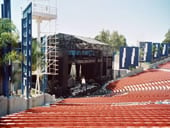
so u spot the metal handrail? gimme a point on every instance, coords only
(44, 9)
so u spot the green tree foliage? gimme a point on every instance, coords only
(8, 35)
(104, 36)
(37, 64)
(114, 39)
(36, 55)
(167, 37)
(13, 56)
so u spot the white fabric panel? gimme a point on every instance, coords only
(124, 57)
(133, 56)
(145, 51)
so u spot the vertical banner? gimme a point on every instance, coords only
(6, 9)
(26, 47)
(128, 57)
(6, 13)
(122, 58)
(134, 56)
(156, 51)
(164, 49)
(168, 49)
(145, 51)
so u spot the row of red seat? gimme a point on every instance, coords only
(148, 76)
(161, 85)
(90, 116)
(138, 96)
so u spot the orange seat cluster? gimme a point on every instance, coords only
(151, 76)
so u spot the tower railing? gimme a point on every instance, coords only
(44, 11)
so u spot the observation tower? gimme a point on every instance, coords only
(40, 13)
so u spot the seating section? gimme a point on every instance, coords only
(147, 77)
(142, 100)
(141, 96)
(90, 116)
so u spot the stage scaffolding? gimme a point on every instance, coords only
(50, 55)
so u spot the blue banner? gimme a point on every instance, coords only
(164, 49)
(156, 51)
(6, 13)
(6, 9)
(145, 51)
(128, 57)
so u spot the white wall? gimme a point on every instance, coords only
(3, 105)
(17, 104)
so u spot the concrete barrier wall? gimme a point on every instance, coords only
(119, 73)
(125, 73)
(134, 71)
(49, 98)
(41, 99)
(17, 104)
(37, 101)
(3, 105)
(159, 62)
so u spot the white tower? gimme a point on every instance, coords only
(43, 12)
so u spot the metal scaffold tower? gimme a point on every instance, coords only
(50, 58)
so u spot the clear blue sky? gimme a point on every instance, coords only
(137, 20)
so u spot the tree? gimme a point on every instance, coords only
(114, 39)
(36, 55)
(8, 33)
(8, 36)
(167, 37)
(36, 64)
(8, 40)
(104, 36)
